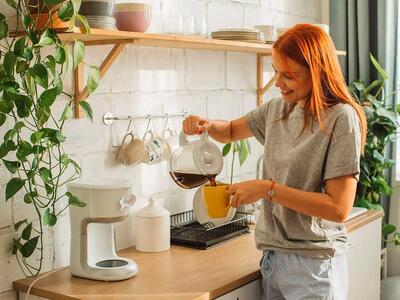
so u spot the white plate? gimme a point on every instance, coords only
(200, 212)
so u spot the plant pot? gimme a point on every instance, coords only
(42, 19)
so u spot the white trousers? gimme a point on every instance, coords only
(293, 277)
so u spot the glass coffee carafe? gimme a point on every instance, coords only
(195, 163)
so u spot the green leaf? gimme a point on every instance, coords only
(10, 134)
(87, 109)
(3, 150)
(12, 166)
(36, 136)
(49, 218)
(39, 74)
(67, 112)
(45, 174)
(24, 149)
(28, 55)
(42, 114)
(64, 159)
(73, 200)
(388, 229)
(84, 22)
(75, 164)
(3, 29)
(77, 5)
(378, 67)
(6, 106)
(13, 186)
(22, 66)
(12, 3)
(29, 247)
(50, 63)
(60, 55)
(48, 97)
(28, 199)
(93, 78)
(248, 146)
(66, 11)
(53, 2)
(23, 104)
(79, 52)
(3, 119)
(226, 149)
(373, 85)
(27, 21)
(242, 152)
(45, 41)
(19, 46)
(19, 223)
(49, 189)
(26, 233)
(10, 59)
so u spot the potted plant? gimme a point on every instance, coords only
(32, 146)
(382, 129)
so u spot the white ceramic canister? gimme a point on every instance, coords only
(152, 228)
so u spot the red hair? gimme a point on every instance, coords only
(309, 46)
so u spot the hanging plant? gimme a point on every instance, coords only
(31, 149)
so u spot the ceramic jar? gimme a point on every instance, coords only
(152, 228)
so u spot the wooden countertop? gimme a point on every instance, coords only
(180, 273)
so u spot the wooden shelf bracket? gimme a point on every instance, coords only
(82, 92)
(261, 89)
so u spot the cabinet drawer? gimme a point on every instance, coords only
(250, 291)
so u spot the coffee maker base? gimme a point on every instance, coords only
(113, 269)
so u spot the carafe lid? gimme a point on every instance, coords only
(152, 210)
(207, 157)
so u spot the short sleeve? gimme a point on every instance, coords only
(343, 156)
(256, 120)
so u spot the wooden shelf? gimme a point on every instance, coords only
(121, 38)
(102, 37)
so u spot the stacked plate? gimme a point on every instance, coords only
(238, 34)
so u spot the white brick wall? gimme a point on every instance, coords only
(156, 80)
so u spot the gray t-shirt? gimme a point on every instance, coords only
(304, 162)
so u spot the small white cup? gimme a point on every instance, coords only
(155, 147)
(267, 30)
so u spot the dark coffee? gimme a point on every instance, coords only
(189, 180)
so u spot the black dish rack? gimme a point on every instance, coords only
(186, 231)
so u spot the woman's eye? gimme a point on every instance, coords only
(288, 77)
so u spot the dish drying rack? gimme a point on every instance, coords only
(186, 231)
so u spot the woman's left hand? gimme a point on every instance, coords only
(247, 192)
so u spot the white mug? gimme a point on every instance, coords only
(154, 146)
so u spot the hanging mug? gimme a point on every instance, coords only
(154, 146)
(132, 152)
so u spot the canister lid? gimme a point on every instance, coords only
(98, 183)
(152, 210)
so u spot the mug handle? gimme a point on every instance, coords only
(126, 135)
(148, 135)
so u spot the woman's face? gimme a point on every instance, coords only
(292, 79)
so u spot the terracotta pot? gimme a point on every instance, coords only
(41, 22)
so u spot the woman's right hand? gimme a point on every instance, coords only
(195, 125)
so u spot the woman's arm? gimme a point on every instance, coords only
(333, 205)
(221, 131)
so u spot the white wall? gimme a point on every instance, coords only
(146, 80)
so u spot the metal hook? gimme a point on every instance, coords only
(129, 125)
(166, 121)
(148, 122)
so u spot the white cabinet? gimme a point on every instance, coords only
(250, 291)
(364, 261)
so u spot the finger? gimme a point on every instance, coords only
(234, 201)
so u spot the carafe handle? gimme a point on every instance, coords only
(183, 140)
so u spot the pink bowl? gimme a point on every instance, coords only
(137, 21)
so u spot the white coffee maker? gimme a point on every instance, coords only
(92, 252)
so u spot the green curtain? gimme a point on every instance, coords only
(356, 26)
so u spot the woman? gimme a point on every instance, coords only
(313, 136)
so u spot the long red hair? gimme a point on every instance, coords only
(311, 47)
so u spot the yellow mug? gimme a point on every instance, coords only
(216, 200)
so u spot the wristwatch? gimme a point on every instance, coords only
(271, 193)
